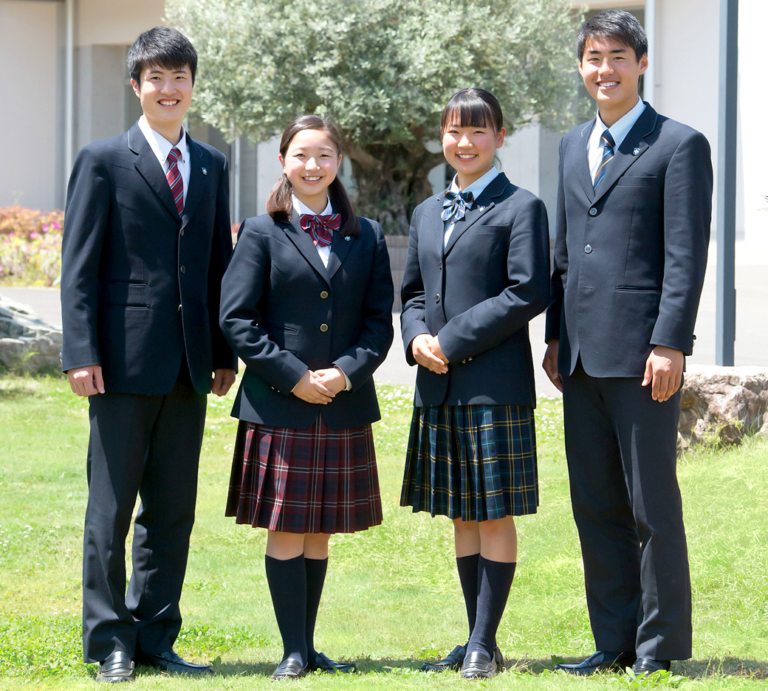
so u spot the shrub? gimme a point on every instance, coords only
(30, 246)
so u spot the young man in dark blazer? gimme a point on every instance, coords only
(633, 222)
(146, 242)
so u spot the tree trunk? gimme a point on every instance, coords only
(391, 182)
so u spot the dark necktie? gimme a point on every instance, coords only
(608, 146)
(174, 179)
(456, 205)
(321, 228)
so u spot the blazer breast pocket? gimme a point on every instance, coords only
(639, 181)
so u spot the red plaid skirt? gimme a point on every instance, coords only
(315, 480)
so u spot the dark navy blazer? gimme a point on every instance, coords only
(283, 312)
(630, 257)
(478, 295)
(139, 285)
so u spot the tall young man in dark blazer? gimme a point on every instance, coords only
(633, 222)
(146, 242)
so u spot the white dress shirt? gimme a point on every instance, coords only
(325, 253)
(477, 188)
(161, 147)
(619, 131)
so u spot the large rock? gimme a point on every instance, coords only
(27, 343)
(720, 405)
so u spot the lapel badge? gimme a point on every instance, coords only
(481, 208)
(636, 152)
(348, 238)
(205, 171)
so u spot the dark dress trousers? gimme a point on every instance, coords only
(284, 312)
(629, 268)
(477, 294)
(140, 294)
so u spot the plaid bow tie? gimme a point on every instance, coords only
(456, 204)
(321, 227)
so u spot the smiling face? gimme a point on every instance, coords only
(611, 74)
(311, 163)
(165, 96)
(470, 150)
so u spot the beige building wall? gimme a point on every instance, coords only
(116, 22)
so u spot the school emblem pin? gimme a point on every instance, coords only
(205, 171)
(348, 238)
(636, 152)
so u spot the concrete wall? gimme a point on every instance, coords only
(117, 22)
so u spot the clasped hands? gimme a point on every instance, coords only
(320, 386)
(427, 352)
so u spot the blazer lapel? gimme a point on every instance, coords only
(198, 160)
(631, 149)
(339, 248)
(482, 205)
(150, 169)
(304, 244)
(582, 163)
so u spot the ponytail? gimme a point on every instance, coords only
(280, 200)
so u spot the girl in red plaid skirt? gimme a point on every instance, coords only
(307, 304)
(477, 272)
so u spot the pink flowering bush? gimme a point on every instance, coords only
(30, 246)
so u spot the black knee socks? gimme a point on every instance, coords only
(467, 567)
(494, 581)
(316, 569)
(288, 586)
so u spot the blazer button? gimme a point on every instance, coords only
(183, 269)
(440, 266)
(324, 294)
(182, 232)
(323, 327)
(593, 211)
(179, 308)
(463, 362)
(588, 249)
(437, 298)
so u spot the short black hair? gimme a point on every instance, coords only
(618, 25)
(161, 47)
(474, 108)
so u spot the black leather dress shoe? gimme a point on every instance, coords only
(117, 667)
(322, 663)
(290, 668)
(602, 660)
(452, 660)
(479, 665)
(171, 662)
(647, 665)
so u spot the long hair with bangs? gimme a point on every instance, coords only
(472, 108)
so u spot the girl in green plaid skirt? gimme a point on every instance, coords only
(477, 272)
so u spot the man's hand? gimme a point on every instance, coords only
(422, 349)
(664, 371)
(332, 378)
(86, 381)
(550, 364)
(312, 389)
(222, 381)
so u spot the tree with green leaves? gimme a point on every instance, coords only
(382, 71)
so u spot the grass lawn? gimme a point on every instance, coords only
(392, 596)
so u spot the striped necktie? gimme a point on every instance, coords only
(608, 146)
(174, 179)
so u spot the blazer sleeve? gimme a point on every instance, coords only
(240, 318)
(413, 317)
(221, 253)
(494, 320)
(361, 360)
(560, 260)
(86, 218)
(687, 219)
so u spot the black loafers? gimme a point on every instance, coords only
(452, 660)
(479, 665)
(647, 665)
(290, 668)
(602, 660)
(116, 668)
(322, 663)
(172, 663)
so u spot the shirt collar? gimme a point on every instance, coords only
(303, 210)
(479, 185)
(620, 129)
(160, 145)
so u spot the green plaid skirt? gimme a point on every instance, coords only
(475, 462)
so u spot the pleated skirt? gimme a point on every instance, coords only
(315, 480)
(475, 462)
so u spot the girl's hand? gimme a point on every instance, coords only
(422, 353)
(437, 351)
(332, 379)
(312, 390)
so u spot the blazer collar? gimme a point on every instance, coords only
(304, 244)
(481, 206)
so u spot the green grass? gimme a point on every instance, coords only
(392, 596)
